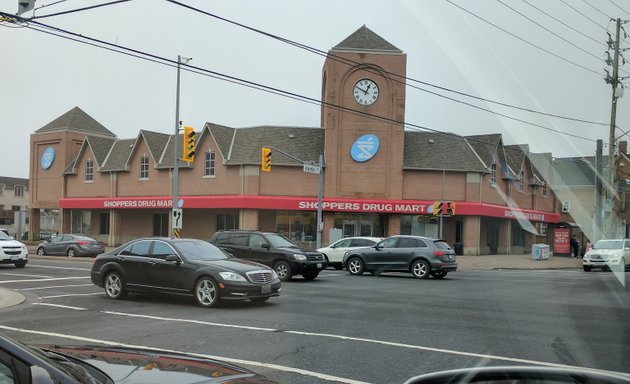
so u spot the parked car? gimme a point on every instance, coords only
(12, 251)
(182, 266)
(422, 256)
(71, 245)
(608, 254)
(271, 249)
(20, 363)
(335, 251)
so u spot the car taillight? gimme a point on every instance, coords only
(439, 253)
(83, 243)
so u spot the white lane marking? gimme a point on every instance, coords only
(231, 360)
(72, 295)
(57, 286)
(38, 280)
(371, 341)
(61, 306)
(51, 267)
(24, 274)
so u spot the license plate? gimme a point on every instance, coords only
(265, 289)
(15, 258)
(319, 265)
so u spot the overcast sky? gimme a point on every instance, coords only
(44, 76)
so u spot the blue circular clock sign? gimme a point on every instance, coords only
(364, 148)
(48, 157)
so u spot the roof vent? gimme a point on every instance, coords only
(291, 136)
(431, 141)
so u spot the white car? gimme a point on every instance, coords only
(12, 251)
(335, 251)
(608, 254)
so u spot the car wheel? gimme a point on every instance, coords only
(587, 268)
(420, 269)
(40, 251)
(206, 292)
(355, 266)
(20, 265)
(310, 275)
(72, 252)
(259, 299)
(283, 269)
(439, 274)
(114, 287)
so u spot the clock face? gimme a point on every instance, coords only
(365, 92)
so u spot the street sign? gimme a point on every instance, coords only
(177, 218)
(312, 168)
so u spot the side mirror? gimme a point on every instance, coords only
(173, 258)
(265, 245)
(40, 376)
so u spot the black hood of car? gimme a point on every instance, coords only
(234, 265)
(138, 366)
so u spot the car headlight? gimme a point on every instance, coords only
(231, 276)
(298, 256)
(24, 247)
(274, 275)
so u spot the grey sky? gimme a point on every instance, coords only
(44, 76)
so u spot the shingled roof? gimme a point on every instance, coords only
(242, 145)
(486, 146)
(118, 155)
(10, 182)
(440, 151)
(364, 40)
(76, 120)
(575, 171)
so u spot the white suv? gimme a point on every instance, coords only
(12, 251)
(335, 251)
(608, 254)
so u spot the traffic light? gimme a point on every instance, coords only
(188, 153)
(437, 208)
(451, 208)
(265, 164)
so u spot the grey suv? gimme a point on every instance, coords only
(271, 249)
(422, 256)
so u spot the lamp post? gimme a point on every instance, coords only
(180, 60)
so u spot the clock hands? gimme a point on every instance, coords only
(365, 91)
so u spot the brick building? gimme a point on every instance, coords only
(379, 178)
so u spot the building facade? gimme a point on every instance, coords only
(14, 205)
(379, 178)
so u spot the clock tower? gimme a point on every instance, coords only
(363, 90)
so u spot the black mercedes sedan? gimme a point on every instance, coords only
(187, 267)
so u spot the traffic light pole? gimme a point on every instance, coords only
(176, 144)
(320, 190)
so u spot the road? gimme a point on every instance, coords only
(342, 328)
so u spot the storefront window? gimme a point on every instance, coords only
(518, 234)
(418, 225)
(227, 221)
(81, 221)
(104, 223)
(300, 227)
(360, 224)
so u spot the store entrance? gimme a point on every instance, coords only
(358, 228)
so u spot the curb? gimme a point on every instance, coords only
(9, 298)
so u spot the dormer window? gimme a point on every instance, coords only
(521, 181)
(144, 167)
(19, 191)
(89, 170)
(493, 174)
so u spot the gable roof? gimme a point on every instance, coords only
(78, 121)
(486, 146)
(574, 171)
(99, 147)
(10, 182)
(364, 40)
(118, 156)
(439, 151)
(515, 156)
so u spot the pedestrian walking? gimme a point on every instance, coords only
(574, 247)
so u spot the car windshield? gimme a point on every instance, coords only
(608, 244)
(200, 251)
(279, 241)
(4, 236)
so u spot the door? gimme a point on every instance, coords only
(380, 258)
(404, 251)
(134, 260)
(493, 237)
(349, 228)
(57, 245)
(366, 228)
(258, 249)
(168, 275)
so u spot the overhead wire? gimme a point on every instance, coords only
(583, 15)
(206, 72)
(525, 40)
(395, 75)
(616, 5)
(597, 9)
(79, 9)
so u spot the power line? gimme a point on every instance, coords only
(615, 4)
(597, 9)
(565, 24)
(206, 72)
(550, 31)
(525, 40)
(586, 17)
(395, 75)
(79, 9)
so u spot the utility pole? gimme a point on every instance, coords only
(174, 231)
(614, 81)
(597, 233)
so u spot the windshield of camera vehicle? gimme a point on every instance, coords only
(279, 241)
(200, 251)
(608, 244)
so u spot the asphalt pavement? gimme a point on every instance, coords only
(9, 298)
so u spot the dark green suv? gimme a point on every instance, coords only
(271, 249)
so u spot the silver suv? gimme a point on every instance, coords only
(608, 254)
(422, 256)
